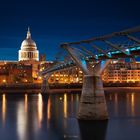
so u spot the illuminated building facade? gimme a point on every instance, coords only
(116, 72)
(68, 76)
(122, 72)
(14, 72)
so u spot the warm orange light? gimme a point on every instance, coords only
(3, 108)
(65, 105)
(4, 81)
(132, 103)
(39, 77)
(80, 71)
(26, 103)
(40, 109)
(49, 109)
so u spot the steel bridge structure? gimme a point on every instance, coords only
(92, 56)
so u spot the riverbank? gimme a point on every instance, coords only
(20, 88)
(136, 84)
(54, 88)
(36, 88)
(36, 91)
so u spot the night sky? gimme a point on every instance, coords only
(55, 21)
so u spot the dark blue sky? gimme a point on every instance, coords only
(55, 21)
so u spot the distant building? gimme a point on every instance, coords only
(122, 72)
(28, 49)
(117, 72)
(15, 72)
(68, 76)
(42, 57)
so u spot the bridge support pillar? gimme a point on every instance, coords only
(45, 86)
(92, 104)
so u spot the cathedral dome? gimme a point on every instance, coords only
(28, 49)
(28, 43)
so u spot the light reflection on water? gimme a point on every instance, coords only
(65, 105)
(21, 121)
(40, 109)
(3, 109)
(133, 104)
(37, 117)
(26, 103)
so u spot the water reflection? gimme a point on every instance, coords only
(127, 104)
(26, 103)
(116, 104)
(93, 130)
(3, 109)
(65, 105)
(21, 121)
(53, 117)
(132, 104)
(40, 109)
(48, 113)
(49, 109)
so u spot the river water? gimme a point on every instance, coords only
(37, 117)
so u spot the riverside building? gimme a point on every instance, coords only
(122, 72)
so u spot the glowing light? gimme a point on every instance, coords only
(26, 103)
(40, 109)
(39, 77)
(4, 81)
(80, 71)
(49, 109)
(48, 112)
(65, 105)
(21, 121)
(132, 104)
(84, 64)
(109, 53)
(127, 51)
(96, 56)
(3, 108)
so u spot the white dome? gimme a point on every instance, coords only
(28, 42)
(28, 49)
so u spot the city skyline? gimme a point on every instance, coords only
(54, 22)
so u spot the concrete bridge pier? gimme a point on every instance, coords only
(92, 104)
(45, 86)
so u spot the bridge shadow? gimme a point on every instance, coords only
(93, 130)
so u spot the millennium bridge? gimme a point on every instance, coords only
(92, 56)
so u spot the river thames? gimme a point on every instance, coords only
(37, 117)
